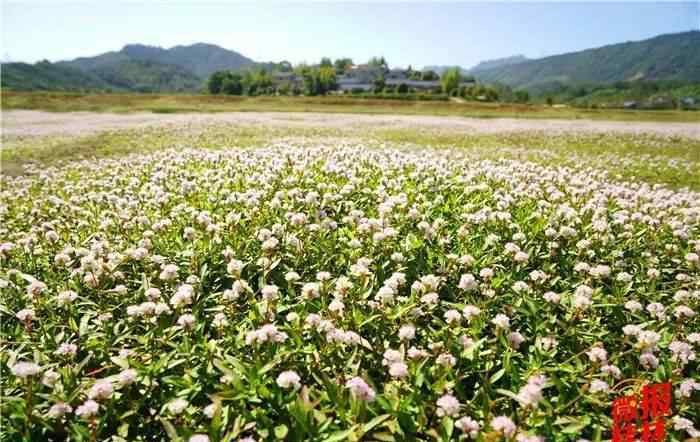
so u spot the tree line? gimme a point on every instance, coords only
(323, 78)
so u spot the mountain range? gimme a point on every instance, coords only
(669, 57)
(140, 68)
(136, 67)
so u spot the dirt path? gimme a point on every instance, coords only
(37, 123)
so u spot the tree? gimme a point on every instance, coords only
(379, 84)
(215, 82)
(285, 66)
(232, 84)
(402, 88)
(342, 64)
(522, 96)
(429, 76)
(378, 62)
(326, 79)
(450, 80)
(326, 62)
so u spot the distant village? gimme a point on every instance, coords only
(363, 78)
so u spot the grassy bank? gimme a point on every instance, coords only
(68, 102)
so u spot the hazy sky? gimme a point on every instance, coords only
(417, 33)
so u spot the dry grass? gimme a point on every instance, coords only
(65, 102)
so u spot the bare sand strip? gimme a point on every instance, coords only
(21, 123)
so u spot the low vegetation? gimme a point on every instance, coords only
(72, 102)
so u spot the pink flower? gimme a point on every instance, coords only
(360, 390)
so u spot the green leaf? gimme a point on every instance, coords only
(374, 422)
(169, 429)
(510, 394)
(281, 431)
(498, 375)
(341, 435)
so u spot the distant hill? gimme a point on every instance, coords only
(666, 57)
(440, 69)
(200, 59)
(498, 63)
(136, 67)
(48, 76)
(148, 76)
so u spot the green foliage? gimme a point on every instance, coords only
(450, 80)
(342, 64)
(521, 96)
(146, 76)
(378, 62)
(50, 77)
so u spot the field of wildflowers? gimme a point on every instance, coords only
(336, 292)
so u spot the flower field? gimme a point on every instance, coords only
(338, 292)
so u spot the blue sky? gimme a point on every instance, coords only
(417, 33)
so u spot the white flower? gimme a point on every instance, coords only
(683, 424)
(210, 410)
(50, 378)
(597, 355)
(186, 321)
(501, 321)
(681, 352)
(447, 405)
(468, 426)
(531, 393)
(67, 350)
(470, 312)
(611, 370)
(288, 379)
(199, 438)
(430, 298)
(177, 406)
(407, 332)
(127, 377)
(360, 390)
(633, 306)
(24, 370)
(58, 410)
(66, 297)
(168, 272)
(452, 317)
(648, 361)
(26, 315)
(515, 339)
(503, 425)
(101, 390)
(686, 388)
(398, 370)
(88, 409)
(598, 386)
(310, 290)
(446, 360)
(270, 293)
(467, 282)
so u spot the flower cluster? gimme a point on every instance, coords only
(315, 292)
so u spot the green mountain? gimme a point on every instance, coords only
(48, 76)
(147, 76)
(498, 63)
(200, 59)
(666, 57)
(136, 68)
